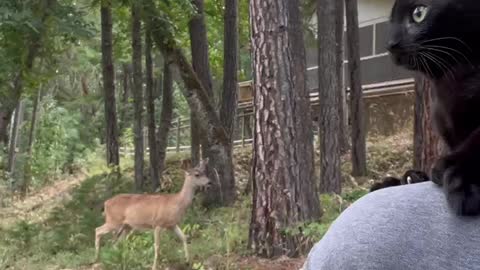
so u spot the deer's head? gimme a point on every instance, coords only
(198, 175)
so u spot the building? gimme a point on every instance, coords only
(387, 87)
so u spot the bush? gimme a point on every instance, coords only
(60, 144)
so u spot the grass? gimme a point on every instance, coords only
(64, 239)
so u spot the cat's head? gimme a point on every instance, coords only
(434, 36)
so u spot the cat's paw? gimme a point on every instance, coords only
(438, 171)
(462, 188)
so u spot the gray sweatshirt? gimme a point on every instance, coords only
(399, 228)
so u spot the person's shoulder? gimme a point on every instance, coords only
(397, 202)
(374, 224)
(424, 191)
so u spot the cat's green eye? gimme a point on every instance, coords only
(419, 14)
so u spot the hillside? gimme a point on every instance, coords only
(53, 228)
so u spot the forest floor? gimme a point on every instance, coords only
(53, 227)
(36, 206)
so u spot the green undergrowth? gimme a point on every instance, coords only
(66, 238)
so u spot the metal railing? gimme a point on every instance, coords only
(179, 140)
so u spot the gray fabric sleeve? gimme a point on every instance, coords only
(406, 227)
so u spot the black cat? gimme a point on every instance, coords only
(440, 38)
(410, 177)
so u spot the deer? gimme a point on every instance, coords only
(125, 213)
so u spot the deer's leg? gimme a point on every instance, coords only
(182, 237)
(123, 233)
(157, 246)
(99, 232)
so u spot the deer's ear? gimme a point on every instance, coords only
(205, 162)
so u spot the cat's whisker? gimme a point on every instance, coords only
(429, 58)
(440, 63)
(425, 65)
(448, 38)
(418, 62)
(429, 70)
(445, 63)
(411, 61)
(444, 52)
(452, 50)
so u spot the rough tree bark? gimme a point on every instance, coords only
(194, 139)
(427, 145)
(343, 130)
(152, 141)
(126, 74)
(200, 103)
(201, 66)
(5, 116)
(284, 193)
(228, 106)
(17, 121)
(33, 123)
(9, 101)
(166, 116)
(124, 97)
(113, 157)
(329, 88)
(357, 114)
(137, 95)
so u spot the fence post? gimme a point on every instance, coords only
(178, 134)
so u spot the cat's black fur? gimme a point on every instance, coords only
(445, 46)
(410, 177)
(385, 183)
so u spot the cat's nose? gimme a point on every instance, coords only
(393, 45)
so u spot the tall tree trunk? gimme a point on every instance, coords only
(357, 110)
(15, 96)
(137, 95)
(31, 134)
(228, 106)
(152, 141)
(284, 193)
(9, 101)
(113, 157)
(17, 121)
(200, 103)
(201, 66)
(124, 97)
(165, 116)
(199, 46)
(5, 116)
(427, 145)
(343, 130)
(194, 139)
(126, 78)
(330, 101)
(27, 177)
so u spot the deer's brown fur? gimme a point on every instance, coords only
(126, 212)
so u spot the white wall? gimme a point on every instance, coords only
(370, 11)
